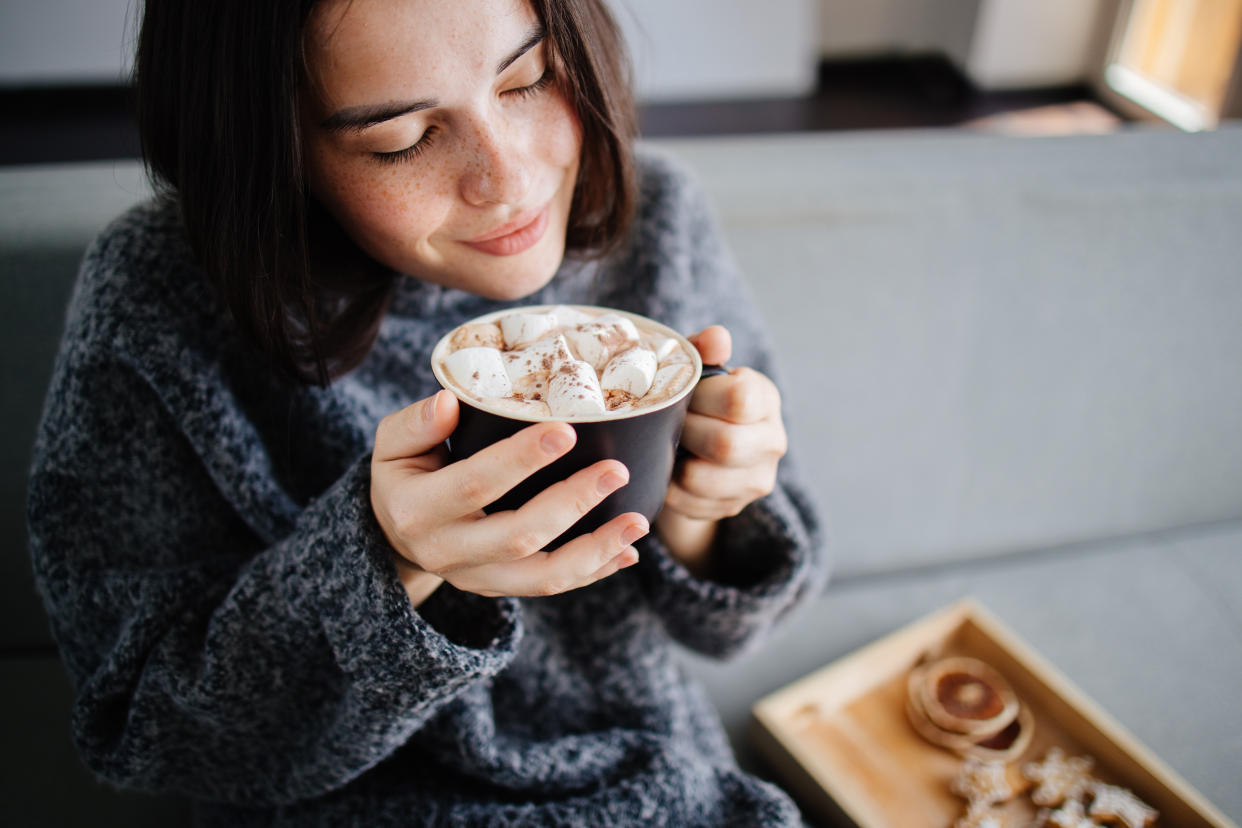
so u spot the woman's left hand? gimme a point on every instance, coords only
(736, 438)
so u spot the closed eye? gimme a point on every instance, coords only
(413, 151)
(545, 80)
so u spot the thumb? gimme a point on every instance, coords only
(417, 428)
(714, 343)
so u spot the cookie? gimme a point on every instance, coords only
(979, 815)
(1005, 746)
(1110, 803)
(965, 695)
(1071, 814)
(982, 783)
(1058, 777)
(1009, 744)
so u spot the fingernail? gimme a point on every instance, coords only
(609, 482)
(632, 533)
(628, 558)
(556, 441)
(429, 409)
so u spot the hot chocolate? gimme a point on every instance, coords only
(565, 362)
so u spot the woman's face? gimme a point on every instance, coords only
(437, 136)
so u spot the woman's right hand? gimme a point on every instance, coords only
(431, 510)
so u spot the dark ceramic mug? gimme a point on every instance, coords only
(645, 439)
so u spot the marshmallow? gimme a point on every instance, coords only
(574, 390)
(528, 368)
(479, 371)
(668, 381)
(677, 357)
(595, 342)
(567, 317)
(631, 371)
(521, 329)
(666, 347)
(521, 409)
(477, 335)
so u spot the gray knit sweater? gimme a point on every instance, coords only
(227, 607)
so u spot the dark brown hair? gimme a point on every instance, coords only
(219, 86)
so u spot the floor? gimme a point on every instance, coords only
(40, 126)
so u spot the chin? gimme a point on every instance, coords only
(514, 289)
(508, 280)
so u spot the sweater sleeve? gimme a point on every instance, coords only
(769, 558)
(207, 660)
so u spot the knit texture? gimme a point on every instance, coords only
(227, 608)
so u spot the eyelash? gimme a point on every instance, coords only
(424, 143)
(418, 148)
(545, 80)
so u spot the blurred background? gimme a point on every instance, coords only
(736, 66)
(981, 227)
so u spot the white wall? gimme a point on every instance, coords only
(997, 43)
(682, 48)
(65, 41)
(1024, 43)
(702, 49)
(867, 27)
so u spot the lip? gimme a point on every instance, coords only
(515, 236)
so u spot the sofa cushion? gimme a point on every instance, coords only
(1003, 344)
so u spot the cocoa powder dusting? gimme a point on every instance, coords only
(615, 398)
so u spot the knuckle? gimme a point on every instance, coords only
(781, 447)
(769, 486)
(472, 489)
(723, 445)
(521, 544)
(692, 474)
(405, 521)
(743, 401)
(585, 501)
(762, 484)
(581, 497)
(552, 586)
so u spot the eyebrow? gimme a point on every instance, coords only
(358, 118)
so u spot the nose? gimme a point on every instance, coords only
(495, 171)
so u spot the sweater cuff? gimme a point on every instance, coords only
(767, 560)
(387, 649)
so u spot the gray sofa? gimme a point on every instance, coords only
(1012, 370)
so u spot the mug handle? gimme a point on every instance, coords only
(708, 371)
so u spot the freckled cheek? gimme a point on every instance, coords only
(390, 206)
(560, 133)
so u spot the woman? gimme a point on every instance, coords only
(273, 592)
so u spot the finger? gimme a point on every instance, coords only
(702, 508)
(519, 533)
(468, 485)
(729, 444)
(626, 557)
(742, 396)
(715, 344)
(573, 565)
(416, 429)
(710, 480)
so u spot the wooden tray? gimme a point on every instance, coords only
(839, 737)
